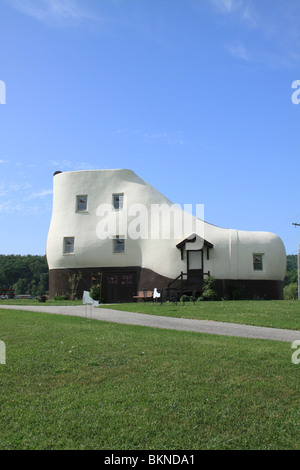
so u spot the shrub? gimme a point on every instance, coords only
(61, 297)
(74, 280)
(208, 292)
(291, 291)
(186, 298)
(95, 292)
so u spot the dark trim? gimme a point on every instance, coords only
(191, 239)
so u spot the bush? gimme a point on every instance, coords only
(291, 291)
(74, 280)
(209, 292)
(61, 297)
(95, 292)
(186, 298)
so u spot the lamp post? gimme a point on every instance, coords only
(298, 225)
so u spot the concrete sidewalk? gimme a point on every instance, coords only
(169, 323)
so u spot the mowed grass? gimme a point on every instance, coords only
(74, 383)
(274, 313)
(37, 303)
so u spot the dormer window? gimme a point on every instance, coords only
(81, 203)
(118, 201)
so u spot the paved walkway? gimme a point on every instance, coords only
(169, 323)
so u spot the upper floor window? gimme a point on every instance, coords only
(119, 245)
(81, 203)
(118, 201)
(258, 262)
(69, 246)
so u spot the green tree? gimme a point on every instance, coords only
(74, 280)
(291, 262)
(291, 270)
(291, 292)
(21, 286)
(20, 271)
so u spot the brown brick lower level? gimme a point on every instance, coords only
(120, 284)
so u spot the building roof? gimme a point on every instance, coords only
(192, 239)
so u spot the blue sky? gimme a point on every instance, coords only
(192, 95)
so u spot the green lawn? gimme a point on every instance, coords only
(73, 383)
(36, 302)
(273, 313)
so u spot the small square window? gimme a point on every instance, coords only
(119, 245)
(127, 279)
(81, 203)
(118, 200)
(69, 243)
(112, 279)
(257, 262)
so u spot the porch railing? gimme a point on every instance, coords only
(177, 278)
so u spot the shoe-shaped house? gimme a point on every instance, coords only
(120, 232)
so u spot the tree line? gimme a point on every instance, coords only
(291, 278)
(30, 275)
(24, 274)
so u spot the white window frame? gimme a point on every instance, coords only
(65, 245)
(78, 203)
(261, 255)
(121, 201)
(121, 238)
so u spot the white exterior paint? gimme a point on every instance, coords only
(230, 258)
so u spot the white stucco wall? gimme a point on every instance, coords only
(231, 257)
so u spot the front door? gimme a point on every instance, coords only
(195, 266)
(119, 286)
